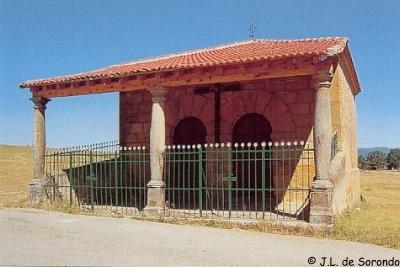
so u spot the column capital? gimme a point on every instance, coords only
(39, 102)
(322, 79)
(158, 94)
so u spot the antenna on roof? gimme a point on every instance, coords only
(252, 30)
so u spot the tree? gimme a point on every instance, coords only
(393, 159)
(362, 162)
(376, 160)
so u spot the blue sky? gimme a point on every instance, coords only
(42, 38)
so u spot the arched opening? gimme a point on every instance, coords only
(252, 127)
(183, 176)
(252, 167)
(189, 131)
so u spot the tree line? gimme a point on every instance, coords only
(377, 160)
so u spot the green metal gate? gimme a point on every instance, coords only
(240, 181)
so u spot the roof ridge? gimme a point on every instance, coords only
(327, 38)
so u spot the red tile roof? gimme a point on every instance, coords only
(241, 52)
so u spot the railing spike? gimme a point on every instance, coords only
(302, 143)
(198, 146)
(249, 144)
(228, 144)
(263, 144)
(242, 145)
(236, 145)
(255, 144)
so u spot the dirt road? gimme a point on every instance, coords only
(35, 237)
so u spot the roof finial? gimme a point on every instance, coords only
(252, 30)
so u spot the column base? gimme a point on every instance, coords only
(36, 191)
(155, 198)
(321, 203)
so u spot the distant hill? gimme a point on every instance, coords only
(365, 150)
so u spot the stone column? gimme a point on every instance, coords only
(39, 147)
(321, 189)
(155, 188)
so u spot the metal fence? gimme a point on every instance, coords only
(268, 180)
(256, 181)
(104, 175)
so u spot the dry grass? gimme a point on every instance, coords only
(376, 220)
(15, 174)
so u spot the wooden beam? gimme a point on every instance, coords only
(244, 72)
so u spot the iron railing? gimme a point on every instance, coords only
(256, 181)
(102, 175)
(244, 180)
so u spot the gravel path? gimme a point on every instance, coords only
(36, 237)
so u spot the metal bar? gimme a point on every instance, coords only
(263, 179)
(200, 185)
(70, 178)
(230, 177)
(91, 178)
(116, 178)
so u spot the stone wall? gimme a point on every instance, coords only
(287, 103)
(346, 192)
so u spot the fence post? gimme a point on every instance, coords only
(263, 178)
(91, 175)
(71, 178)
(230, 177)
(116, 177)
(200, 181)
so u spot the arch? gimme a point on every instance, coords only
(252, 127)
(251, 174)
(188, 131)
(186, 170)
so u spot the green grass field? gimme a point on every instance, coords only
(376, 220)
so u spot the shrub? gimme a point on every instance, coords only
(362, 162)
(376, 160)
(393, 159)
